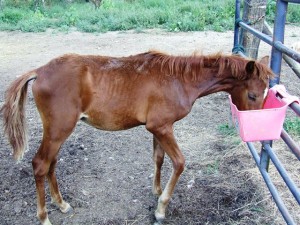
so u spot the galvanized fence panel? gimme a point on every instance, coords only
(267, 153)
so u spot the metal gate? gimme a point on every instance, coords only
(267, 153)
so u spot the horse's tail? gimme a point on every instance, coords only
(13, 112)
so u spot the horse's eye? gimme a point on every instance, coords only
(252, 97)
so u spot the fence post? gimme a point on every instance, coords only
(253, 14)
(278, 36)
(278, 50)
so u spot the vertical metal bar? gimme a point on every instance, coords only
(279, 25)
(237, 48)
(264, 157)
(236, 26)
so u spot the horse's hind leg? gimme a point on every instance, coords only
(57, 128)
(56, 196)
(40, 169)
(158, 158)
(43, 166)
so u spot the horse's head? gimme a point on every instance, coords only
(251, 91)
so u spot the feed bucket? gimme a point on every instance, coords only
(264, 124)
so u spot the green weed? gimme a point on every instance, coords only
(171, 15)
(12, 15)
(292, 125)
(213, 168)
(293, 15)
(230, 135)
(227, 130)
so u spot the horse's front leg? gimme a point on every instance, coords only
(158, 158)
(165, 138)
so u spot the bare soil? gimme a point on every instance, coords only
(107, 176)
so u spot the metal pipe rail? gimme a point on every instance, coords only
(291, 143)
(290, 183)
(267, 153)
(277, 44)
(264, 172)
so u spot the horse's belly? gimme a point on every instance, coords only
(111, 122)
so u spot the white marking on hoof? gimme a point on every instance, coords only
(157, 223)
(66, 208)
(46, 222)
(159, 217)
(82, 115)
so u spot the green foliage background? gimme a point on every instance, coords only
(172, 15)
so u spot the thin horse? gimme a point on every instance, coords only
(151, 89)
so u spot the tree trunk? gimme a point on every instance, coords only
(38, 3)
(254, 15)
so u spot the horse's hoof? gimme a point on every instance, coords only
(46, 221)
(67, 208)
(157, 223)
(159, 217)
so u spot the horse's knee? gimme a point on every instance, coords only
(156, 190)
(159, 157)
(40, 167)
(179, 165)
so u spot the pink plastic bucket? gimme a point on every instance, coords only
(264, 124)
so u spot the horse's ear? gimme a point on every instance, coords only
(250, 67)
(265, 60)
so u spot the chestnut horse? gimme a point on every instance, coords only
(152, 89)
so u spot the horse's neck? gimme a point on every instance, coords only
(199, 75)
(212, 78)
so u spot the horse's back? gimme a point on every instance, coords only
(108, 93)
(96, 89)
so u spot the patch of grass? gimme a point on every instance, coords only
(226, 129)
(172, 15)
(230, 135)
(12, 15)
(293, 15)
(213, 168)
(292, 125)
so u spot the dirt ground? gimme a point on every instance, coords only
(107, 176)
